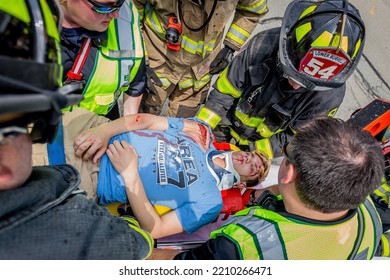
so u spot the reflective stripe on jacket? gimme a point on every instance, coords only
(259, 233)
(116, 64)
(199, 48)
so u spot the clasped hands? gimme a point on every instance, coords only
(93, 143)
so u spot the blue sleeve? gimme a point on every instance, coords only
(178, 123)
(193, 216)
(175, 123)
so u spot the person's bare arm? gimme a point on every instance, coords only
(93, 142)
(131, 104)
(124, 158)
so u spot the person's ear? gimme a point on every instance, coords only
(289, 174)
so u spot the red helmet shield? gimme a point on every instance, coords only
(323, 63)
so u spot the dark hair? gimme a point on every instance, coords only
(337, 164)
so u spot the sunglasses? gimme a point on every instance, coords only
(105, 8)
(11, 131)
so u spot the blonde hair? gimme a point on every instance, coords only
(264, 170)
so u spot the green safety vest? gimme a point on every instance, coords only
(116, 64)
(259, 233)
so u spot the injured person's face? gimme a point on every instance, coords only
(252, 167)
(239, 169)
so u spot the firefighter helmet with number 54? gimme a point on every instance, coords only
(321, 42)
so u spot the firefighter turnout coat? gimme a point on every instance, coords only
(252, 102)
(197, 48)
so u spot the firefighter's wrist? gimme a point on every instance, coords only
(231, 46)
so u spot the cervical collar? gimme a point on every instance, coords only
(226, 177)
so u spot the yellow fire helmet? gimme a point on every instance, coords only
(31, 70)
(321, 42)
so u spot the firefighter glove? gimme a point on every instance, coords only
(222, 60)
(150, 88)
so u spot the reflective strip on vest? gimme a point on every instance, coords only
(224, 86)
(359, 238)
(370, 207)
(118, 63)
(370, 213)
(209, 117)
(246, 252)
(273, 241)
(121, 54)
(237, 34)
(258, 8)
(141, 13)
(245, 226)
(138, 44)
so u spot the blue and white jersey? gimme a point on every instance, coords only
(174, 173)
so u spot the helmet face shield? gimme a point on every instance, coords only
(29, 42)
(56, 13)
(30, 54)
(15, 37)
(321, 42)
